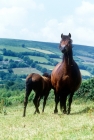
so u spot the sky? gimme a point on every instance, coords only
(45, 20)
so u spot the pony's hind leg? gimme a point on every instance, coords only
(26, 101)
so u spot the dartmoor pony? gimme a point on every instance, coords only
(41, 86)
(66, 76)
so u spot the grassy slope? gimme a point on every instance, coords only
(39, 59)
(48, 126)
(83, 53)
(25, 71)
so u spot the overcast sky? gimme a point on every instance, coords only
(45, 20)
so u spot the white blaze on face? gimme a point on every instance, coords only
(63, 43)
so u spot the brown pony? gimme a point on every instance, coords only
(41, 86)
(66, 76)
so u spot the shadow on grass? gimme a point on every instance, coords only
(85, 110)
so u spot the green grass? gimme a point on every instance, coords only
(39, 59)
(46, 66)
(11, 57)
(1, 52)
(88, 63)
(41, 50)
(87, 59)
(15, 49)
(5, 70)
(79, 125)
(20, 71)
(85, 73)
(57, 59)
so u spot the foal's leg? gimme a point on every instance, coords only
(36, 103)
(56, 102)
(26, 100)
(44, 102)
(70, 101)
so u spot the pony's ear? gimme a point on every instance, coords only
(69, 35)
(61, 35)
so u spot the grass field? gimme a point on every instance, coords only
(89, 63)
(79, 125)
(1, 52)
(11, 57)
(87, 59)
(41, 50)
(39, 59)
(46, 66)
(20, 71)
(15, 49)
(85, 73)
(57, 59)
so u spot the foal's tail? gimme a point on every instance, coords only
(27, 93)
(29, 84)
(29, 81)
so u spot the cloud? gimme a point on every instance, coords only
(26, 19)
(80, 25)
(85, 9)
(12, 16)
(53, 29)
(25, 4)
(15, 16)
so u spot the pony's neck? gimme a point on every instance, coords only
(68, 58)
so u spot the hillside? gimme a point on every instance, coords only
(18, 58)
(21, 57)
(34, 56)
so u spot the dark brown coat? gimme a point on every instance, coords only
(66, 76)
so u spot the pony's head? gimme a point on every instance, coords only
(65, 43)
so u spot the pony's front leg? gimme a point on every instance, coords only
(26, 102)
(70, 101)
(63, 98)
(56, 102)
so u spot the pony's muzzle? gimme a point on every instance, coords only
(62, 48)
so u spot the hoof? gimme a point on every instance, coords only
(34, 112)
(55, 111)
(42, 111)
(23, 115)
(68, 113)
(38, 112)
(65, 112)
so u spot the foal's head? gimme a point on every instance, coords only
(65, 43)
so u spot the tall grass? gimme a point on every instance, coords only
(79, 125)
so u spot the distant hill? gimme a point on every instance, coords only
(44, 56)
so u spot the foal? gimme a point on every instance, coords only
(41, 86)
